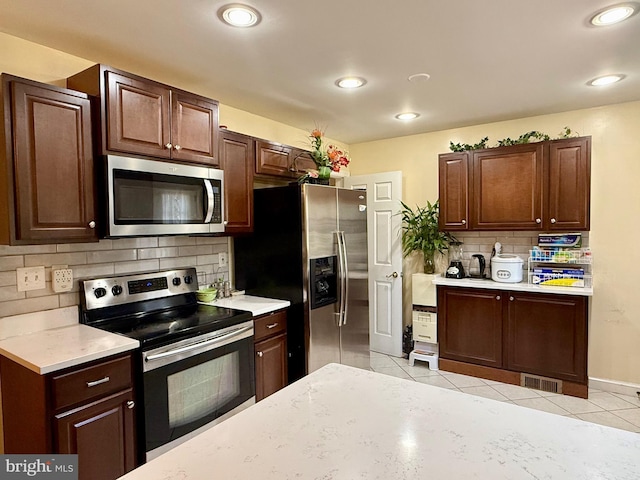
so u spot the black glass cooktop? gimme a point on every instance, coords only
(155, 328)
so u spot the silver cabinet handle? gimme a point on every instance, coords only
(394, 275)
(168, 146)
(177, 147)
(98, 382)
(511, 299)
(92, 224)
(272, 325)
(464, 221)
(260, 354)
(497, 297)
(538, 220)
(553, 220)
(131, 404)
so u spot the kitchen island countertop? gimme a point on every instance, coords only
(344, 423)
(256, 305)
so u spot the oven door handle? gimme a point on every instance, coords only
(194, 345)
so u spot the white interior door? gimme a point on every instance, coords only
(384, 243)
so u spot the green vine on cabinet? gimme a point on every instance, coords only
(529, 137)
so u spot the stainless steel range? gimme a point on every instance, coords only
(195, 363)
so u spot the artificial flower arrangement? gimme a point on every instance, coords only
(326, 159)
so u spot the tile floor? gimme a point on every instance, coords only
(611, 409)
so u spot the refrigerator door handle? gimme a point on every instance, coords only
(345, 279)
(341, 277)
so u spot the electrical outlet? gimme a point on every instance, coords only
(30, 278)
(222, 259)
(62, 280)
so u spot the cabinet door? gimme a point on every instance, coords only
(470, 325)
(138, 116)
(453, 179)
(569, 187)
(102, 434)
(273, 159)
(508, 188)
(194, 128)
(53, 165)
(301, 161)
(237, 159)
(271, 366)
(547, 335)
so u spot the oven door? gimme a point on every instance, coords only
(150, 197)
(193, 382)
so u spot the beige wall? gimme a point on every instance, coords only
(614, 326)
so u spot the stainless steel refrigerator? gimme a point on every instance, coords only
(309, 246)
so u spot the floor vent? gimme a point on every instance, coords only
(540, 383)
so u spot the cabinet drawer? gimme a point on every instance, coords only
(91, 382)
(269, 325)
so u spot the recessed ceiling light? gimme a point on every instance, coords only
(239, 15)
(419, 77)
(407, 116)
(605, 80)
(350, 82)
(614, 14)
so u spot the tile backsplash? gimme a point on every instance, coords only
(518, 243)
(106, 257)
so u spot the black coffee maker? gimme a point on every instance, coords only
(455, 268)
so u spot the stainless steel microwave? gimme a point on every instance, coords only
(152, 197)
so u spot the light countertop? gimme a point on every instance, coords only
(343, 423)
(523, 286)
(53, 349)
(255, 305)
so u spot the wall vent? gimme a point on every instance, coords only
(540, 383)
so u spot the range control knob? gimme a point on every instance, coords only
(100, 292)
(116, 290)
(176, 281)
(188, 279)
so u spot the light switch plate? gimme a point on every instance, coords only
(30, 278)
(62, 280)
(222, 259)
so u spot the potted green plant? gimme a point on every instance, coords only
(420, 232)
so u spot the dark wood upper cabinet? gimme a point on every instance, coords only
(273, 159)
(454, 191)
(569, 191)
(47, 165)
(237, 159)
(542, 186)
(507, 188)
(144, 117)
(301, 162)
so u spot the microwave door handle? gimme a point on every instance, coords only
(209, 188)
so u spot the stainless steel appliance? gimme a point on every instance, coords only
(195, 365)
(310, 247)
(152, 197)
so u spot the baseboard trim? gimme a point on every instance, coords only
(612, 386)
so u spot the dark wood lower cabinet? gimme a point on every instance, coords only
(87, 410)
(546, 335)
(102, 434)
(470, 325)
(271, 366)
(532, 333)
(270, 334)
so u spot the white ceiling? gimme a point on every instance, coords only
(489, 60)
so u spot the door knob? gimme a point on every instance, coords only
(511, 299)
(464, 221)
(538, 220)
(394, 275)
(553, 220)
(177, 147)
(168, 146)
(92, 224)
(497, 297)
(131, 404)
(260, 354)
